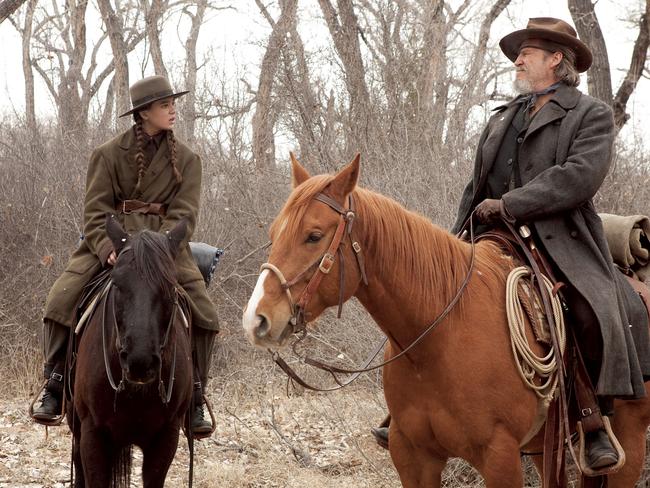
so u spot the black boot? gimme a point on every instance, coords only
(599, 450)
(381, 432)
(50, 406)
(201, 426)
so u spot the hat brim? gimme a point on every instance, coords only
(510, 45)
(149, 102)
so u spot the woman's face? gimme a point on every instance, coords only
(160, 115)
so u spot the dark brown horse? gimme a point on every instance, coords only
(133, 370)
(457, 393)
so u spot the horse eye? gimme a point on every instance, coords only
(314, 237)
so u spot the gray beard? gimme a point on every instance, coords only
(522, 87)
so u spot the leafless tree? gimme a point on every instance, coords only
(153, 15)
(265, 116)
(599, 76)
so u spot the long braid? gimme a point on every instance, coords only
(139, 157)
(171, 145)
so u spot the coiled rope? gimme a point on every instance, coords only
(529, 365)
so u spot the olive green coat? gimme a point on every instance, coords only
(111, 178)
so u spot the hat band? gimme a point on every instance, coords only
(544, 44)
(152, 97)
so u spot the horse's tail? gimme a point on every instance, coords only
(122, 468)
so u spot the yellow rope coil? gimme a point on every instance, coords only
(528, 363)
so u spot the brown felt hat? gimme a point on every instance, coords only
(148, 90)
(548, 29)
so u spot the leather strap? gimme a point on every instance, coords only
(136, 206)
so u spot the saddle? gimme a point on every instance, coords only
(582, 403)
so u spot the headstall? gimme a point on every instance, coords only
(323, 265)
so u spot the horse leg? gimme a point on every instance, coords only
(96, 456)
(417, 468)
(157, 456)
(500, 462)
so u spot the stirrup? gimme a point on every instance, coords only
(582, 455)
(54, 422)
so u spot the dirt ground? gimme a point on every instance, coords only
(264, 439)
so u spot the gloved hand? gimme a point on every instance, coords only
(489, 210)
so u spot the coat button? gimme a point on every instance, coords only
(509, 161)
(573, 233)
(520, 140)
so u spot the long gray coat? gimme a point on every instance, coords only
(563, 160)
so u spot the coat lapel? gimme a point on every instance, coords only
(565, 98)
(500, 124)
(160, 160)
(549, 113)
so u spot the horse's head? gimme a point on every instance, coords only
(143, 296)
(304, 274)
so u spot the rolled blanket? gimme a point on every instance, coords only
(627, 237)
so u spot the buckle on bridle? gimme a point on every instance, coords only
(356, 247)
(124, 210)
(326, 263)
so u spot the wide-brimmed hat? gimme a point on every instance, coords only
(148, 90)
(548, 29)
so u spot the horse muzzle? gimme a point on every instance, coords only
(261, 332)
(140, 369)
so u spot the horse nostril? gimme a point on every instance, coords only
(262, 327)
(123, 356)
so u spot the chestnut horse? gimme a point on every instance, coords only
(457, 393)
(133, 379)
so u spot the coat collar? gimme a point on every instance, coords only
(565, 96)
(127, 139)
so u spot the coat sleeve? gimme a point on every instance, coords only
(99, 201)
(568, 184)
(186, 201)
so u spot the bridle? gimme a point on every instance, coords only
(165, 392)
(322, 266)
(298, 322)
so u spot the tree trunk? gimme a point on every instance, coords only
(118, 46)
(188, 107)
(599, 81)
(30, 109)
(8, 7)
(637, 65)
(73, 114)
(264, 117)
(152, 18)
(344, 29)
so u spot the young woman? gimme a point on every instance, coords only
(150, 180)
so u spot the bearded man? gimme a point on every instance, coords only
(540, 161)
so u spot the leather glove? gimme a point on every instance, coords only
(489, 210)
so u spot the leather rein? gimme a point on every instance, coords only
(324, 265)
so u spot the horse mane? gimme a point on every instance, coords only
(153, 260)
(405, 242)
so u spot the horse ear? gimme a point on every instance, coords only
(176, 236)
(298, 172)
(345, 180)
(115, 233)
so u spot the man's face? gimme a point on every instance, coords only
(535, 69)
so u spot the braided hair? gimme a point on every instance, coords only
(139, 156)
(141, 160)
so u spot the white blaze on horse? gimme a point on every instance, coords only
(458, 392)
